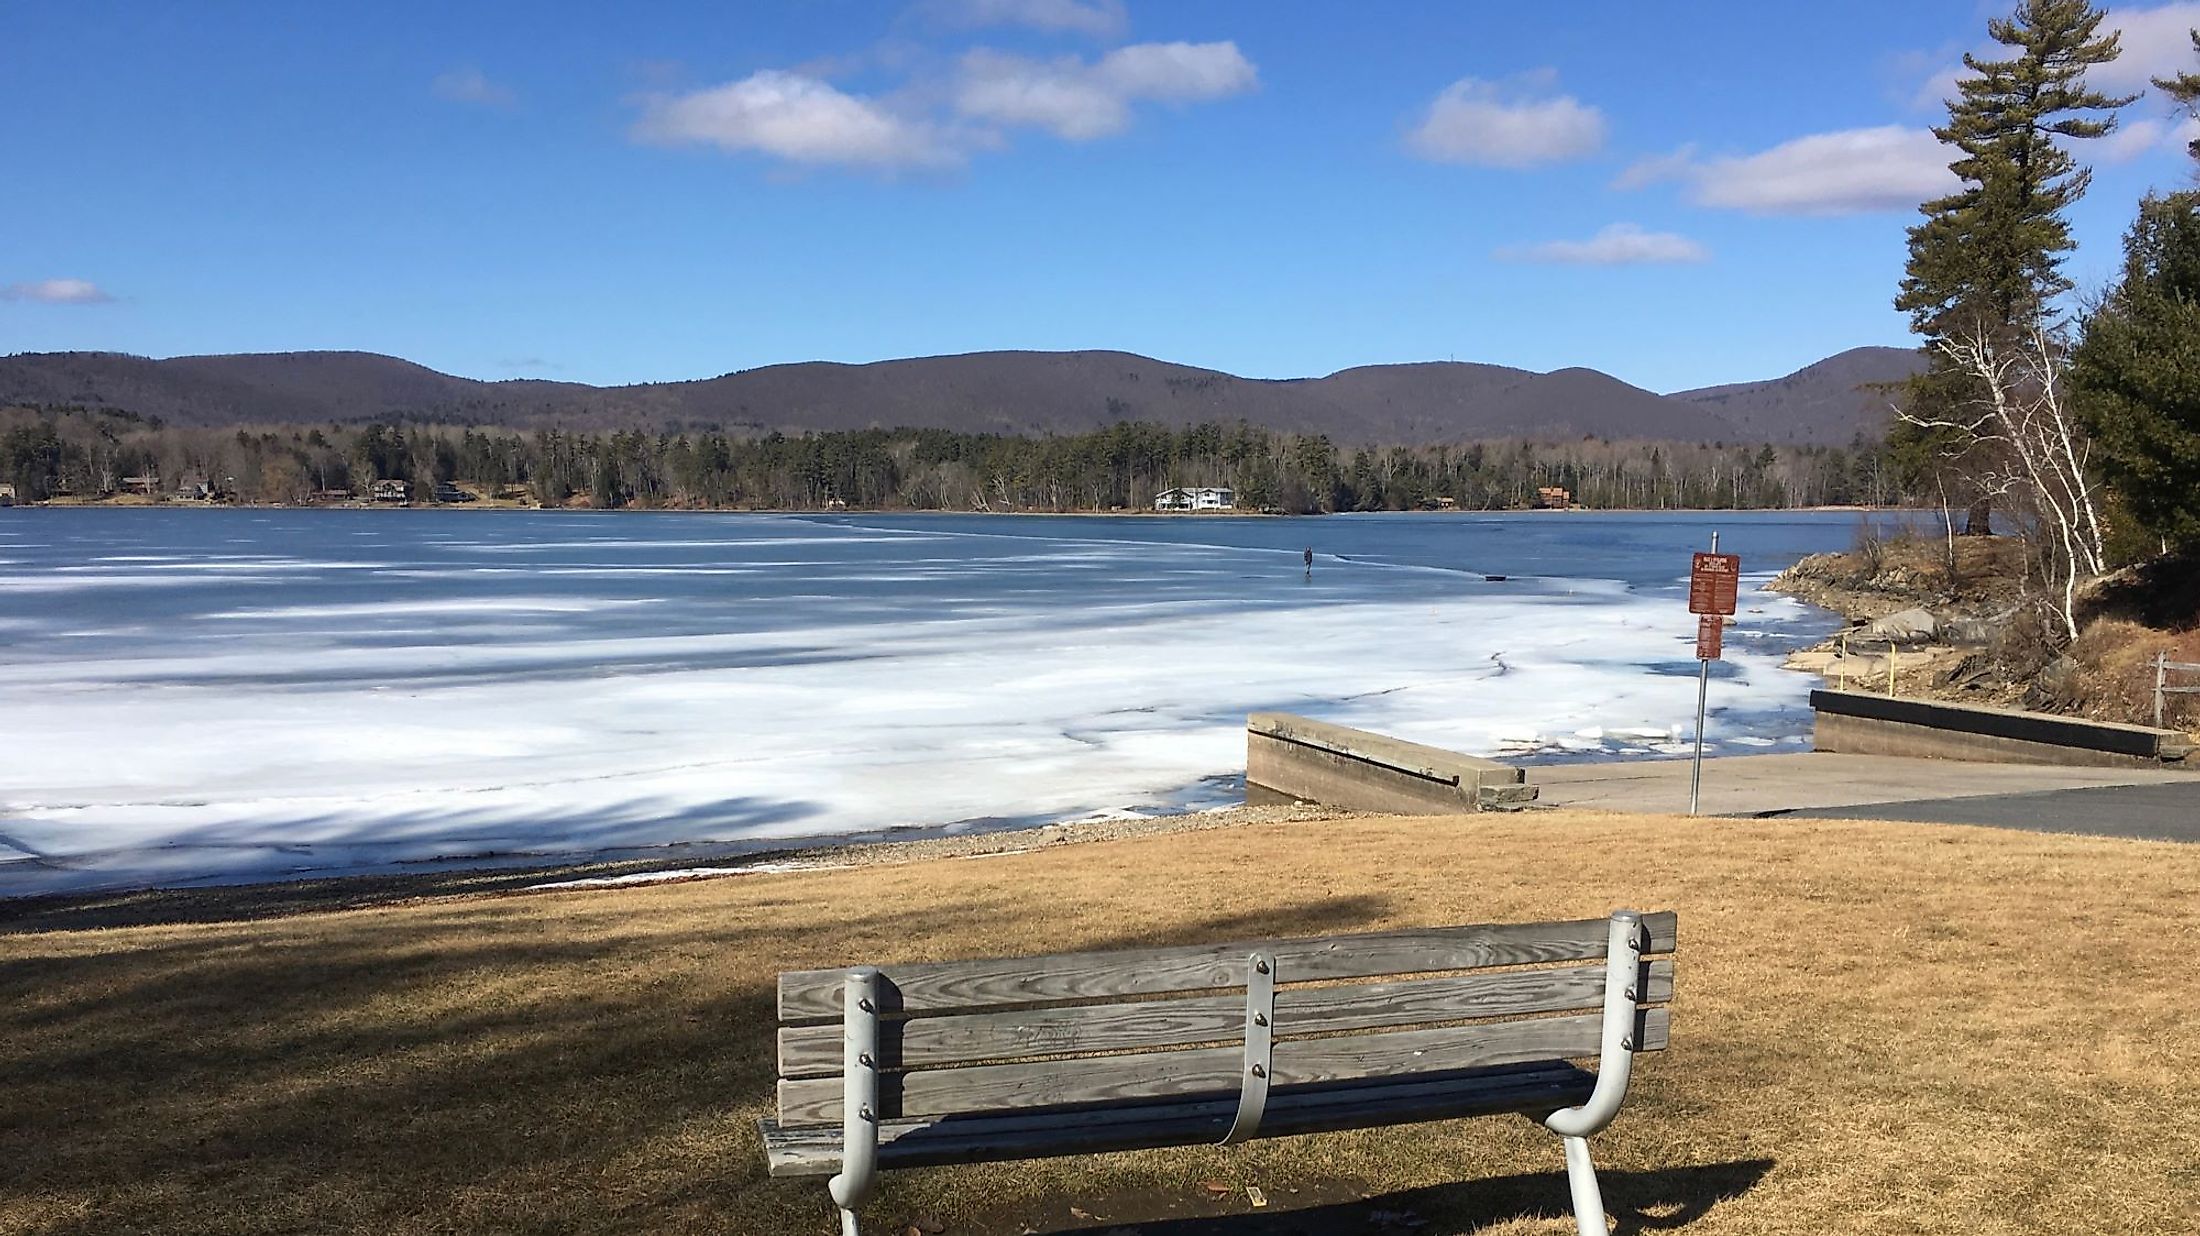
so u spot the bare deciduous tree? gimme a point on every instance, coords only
(2036, 453)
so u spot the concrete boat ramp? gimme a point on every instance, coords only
(2125, 802)
(1885, 758)
(1875, 759)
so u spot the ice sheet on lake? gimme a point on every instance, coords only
(295, 735)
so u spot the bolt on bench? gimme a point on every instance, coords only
(991, 1060)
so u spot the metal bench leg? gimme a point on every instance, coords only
(1581, 1177)
(1624, 945)
(859, 1101)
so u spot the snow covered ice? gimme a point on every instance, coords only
(214, 696)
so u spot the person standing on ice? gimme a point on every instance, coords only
(1310, 562)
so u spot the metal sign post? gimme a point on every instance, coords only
(1714, 587)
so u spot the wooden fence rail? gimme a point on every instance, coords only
(2163, 668)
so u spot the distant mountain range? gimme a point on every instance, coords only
(981, 392)
(1836, 399)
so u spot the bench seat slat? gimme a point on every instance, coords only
(815, 1149)
(1155, 1075)
(941, 987)
(815, 1051)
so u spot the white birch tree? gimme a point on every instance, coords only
(2036, 455)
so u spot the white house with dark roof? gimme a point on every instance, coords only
(1212, 498)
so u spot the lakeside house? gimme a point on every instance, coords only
(1210, 498)
(1554, 498)
(391, 491)
(448, 491)
(148, 484)
(7, 494)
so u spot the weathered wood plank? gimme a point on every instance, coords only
(958, 986)
(1160, 1075)
(815, 1149)
(986, 1124)
(815, 1051)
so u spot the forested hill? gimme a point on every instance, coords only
(1836, 400)
(983, 392)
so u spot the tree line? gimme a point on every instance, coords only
(2072, 419)
(88, 453)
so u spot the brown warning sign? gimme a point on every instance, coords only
(1710, 637)
(1713, 583)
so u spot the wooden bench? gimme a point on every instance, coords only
(983, 1061)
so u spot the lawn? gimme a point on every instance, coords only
(1879, 1027)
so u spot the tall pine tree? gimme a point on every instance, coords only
(2136, 371)
(2137, 366)
(1987, 260)
(2185, 88)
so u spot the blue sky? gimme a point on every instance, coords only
(673, 190)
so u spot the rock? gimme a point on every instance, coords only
(1910, 626)
(2057, 688)
(1971, 631)
(1971, 671)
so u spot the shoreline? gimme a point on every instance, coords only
(428, 883)
(486, 505)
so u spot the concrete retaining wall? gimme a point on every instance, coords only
(1856, 723)
(1291, 758)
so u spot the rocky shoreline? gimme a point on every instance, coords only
(1947, 620)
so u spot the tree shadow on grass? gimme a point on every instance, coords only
(588, 843)
(591, 1065)
(1661, 1200)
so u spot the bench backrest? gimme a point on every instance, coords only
(1015, 1033)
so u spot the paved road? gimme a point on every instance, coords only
(2162, 812)
(1821, 784)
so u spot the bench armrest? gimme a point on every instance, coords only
(1615, 1062)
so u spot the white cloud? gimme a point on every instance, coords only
(2157, 42)
(1099, 18)
(797, 118)
(1657, 169)
(1621, 244)
(1939, 88)
(2141, 137)
(1496, 125)
(2132, 139)
(57, 292)
(1178, 72)
(471, 85)
(1079, 101)
(1849, 172)
(1060, 96)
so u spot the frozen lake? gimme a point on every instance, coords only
(209, 695)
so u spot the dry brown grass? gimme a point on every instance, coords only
(2115, 678)
(1882, 576)
(1880, 1027)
